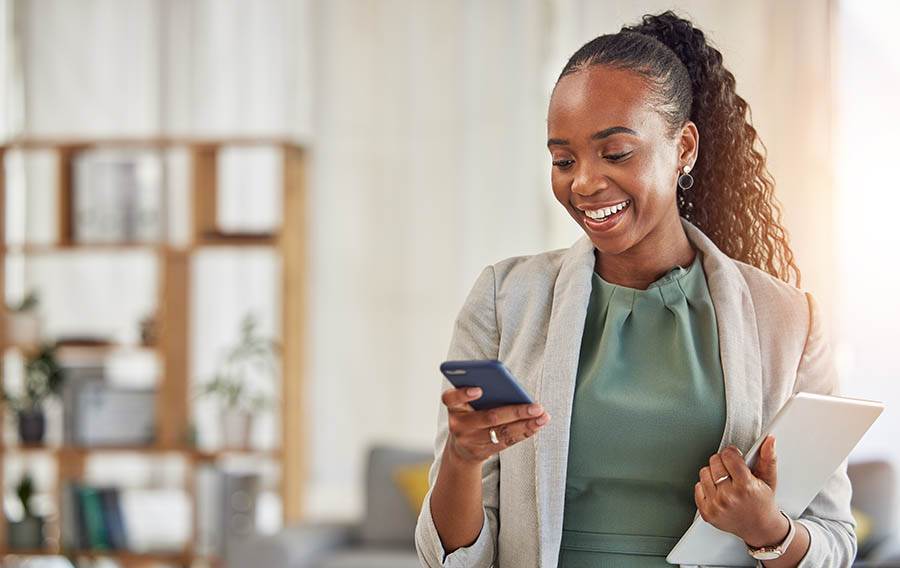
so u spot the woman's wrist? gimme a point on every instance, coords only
(773, 532)
(458, 463)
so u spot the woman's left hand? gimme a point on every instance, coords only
(744, 504)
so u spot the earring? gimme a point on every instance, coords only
(686, 180)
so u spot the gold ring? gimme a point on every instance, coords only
(721, 479)
(494, 439)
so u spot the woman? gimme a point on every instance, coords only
(660, 343)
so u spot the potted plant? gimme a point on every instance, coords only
(238, 399)
(23, 324)
(43, 378)
(27, 533)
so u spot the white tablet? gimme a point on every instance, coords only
(805, 463)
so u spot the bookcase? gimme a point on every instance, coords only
(172, 347)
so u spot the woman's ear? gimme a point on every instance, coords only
(689, 144)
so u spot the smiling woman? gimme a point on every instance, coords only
(661, 342)
(625, 113)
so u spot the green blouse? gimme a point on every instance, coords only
(648, 411)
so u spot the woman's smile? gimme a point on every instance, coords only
(600, 221)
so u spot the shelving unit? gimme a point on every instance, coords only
(173, 409)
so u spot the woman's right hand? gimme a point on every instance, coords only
(470, 439)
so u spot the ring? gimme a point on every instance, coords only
(494, 439)
(721, 479)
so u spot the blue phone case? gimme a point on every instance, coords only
(498, 386)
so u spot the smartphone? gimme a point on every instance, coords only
(498, 386)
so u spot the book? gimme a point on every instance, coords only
(112, 518)
(92, 515)
(70, 520)
(91, 518)
(76, 376)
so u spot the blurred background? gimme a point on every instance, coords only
(236, 234)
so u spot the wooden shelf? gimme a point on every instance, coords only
(237, 239)
(44, 249)
(218, 240)
(74, 348)
(179, 557)
(193, 453)
(33, 143)
(173, 310)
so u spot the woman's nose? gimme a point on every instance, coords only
(589, 181)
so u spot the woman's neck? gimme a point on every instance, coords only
(647, 261)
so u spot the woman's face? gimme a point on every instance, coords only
(609, 148)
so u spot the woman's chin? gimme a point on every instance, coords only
(610, 237)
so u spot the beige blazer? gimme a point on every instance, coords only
(529, 312)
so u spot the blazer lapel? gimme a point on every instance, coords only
(739, 351)
(557, 387)
(738, 342)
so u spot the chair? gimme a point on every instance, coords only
(383, 538)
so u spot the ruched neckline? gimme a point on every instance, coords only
(648, 411)
(674, 287)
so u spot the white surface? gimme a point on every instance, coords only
(869, 310)
(249, 194)
(804, 464)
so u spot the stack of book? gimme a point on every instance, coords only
(92, 518)
(117, 196)
(97, 413)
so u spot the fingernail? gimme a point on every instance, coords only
(534, 409)
(474, 391)
(543, 419)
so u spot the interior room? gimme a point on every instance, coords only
(240, 237)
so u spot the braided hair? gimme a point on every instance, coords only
(732, 200)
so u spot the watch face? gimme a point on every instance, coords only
(766, 555)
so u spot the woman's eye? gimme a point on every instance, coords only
(617, 157)
(563, 164)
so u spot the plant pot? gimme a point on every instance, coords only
(22, 328)
(31, 426)
(236, 428)
(25, 534)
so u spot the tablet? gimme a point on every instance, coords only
(805, 463)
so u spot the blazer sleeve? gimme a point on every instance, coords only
(475, 336)
(832, 528)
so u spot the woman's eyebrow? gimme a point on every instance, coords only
(595, 136)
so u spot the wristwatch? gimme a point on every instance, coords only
(773, 552)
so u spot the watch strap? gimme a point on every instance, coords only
(781, 547)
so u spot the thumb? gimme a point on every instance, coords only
(766, 466)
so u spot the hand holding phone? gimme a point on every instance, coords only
(488, 410)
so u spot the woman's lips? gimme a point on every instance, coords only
(608, 223)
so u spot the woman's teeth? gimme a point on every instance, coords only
(601, 214)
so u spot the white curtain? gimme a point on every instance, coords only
(426, 125)
(868, 199)
(429, 164)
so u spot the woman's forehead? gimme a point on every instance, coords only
(598, 97)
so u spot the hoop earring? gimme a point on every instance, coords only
(686, 180)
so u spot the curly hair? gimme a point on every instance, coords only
(733, 197)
